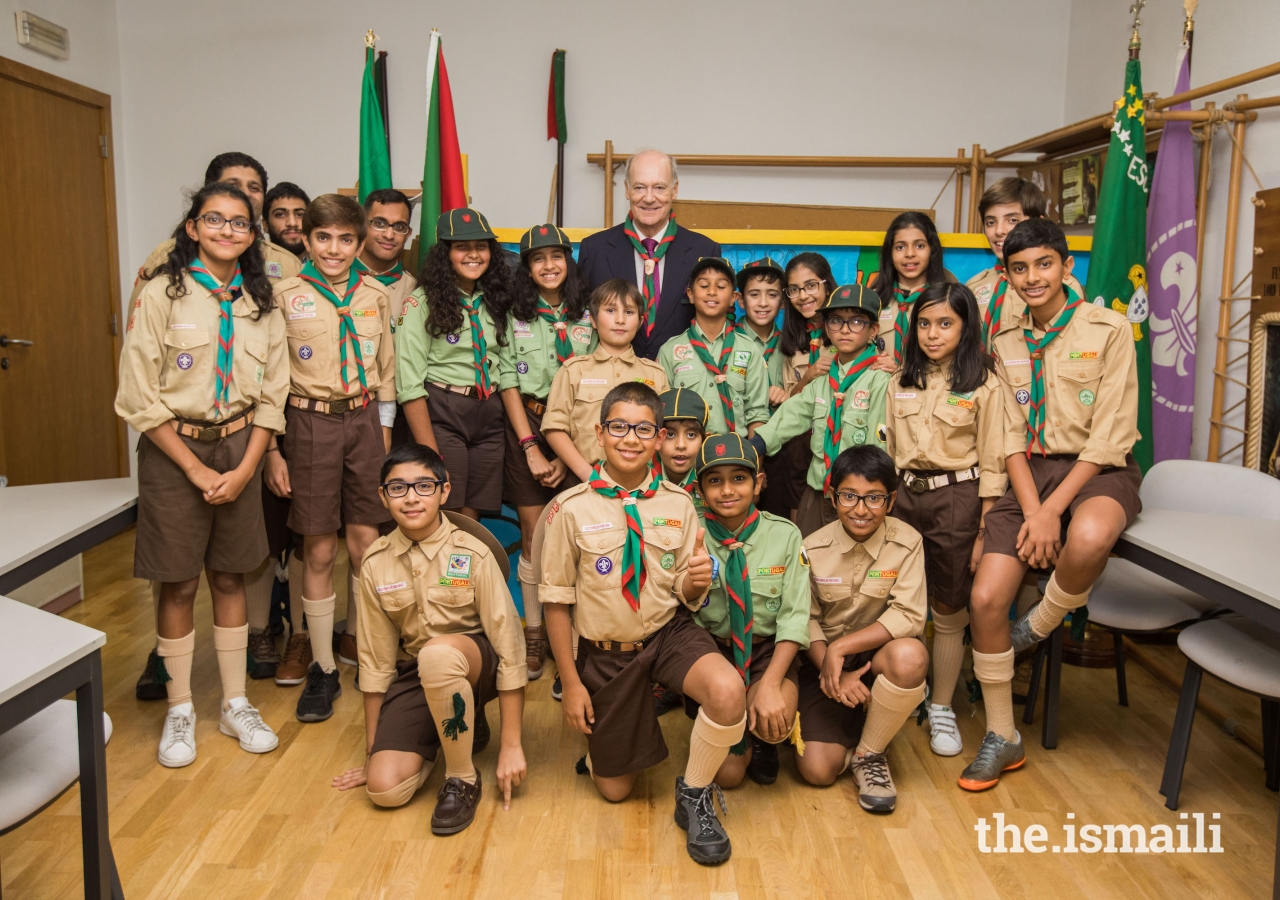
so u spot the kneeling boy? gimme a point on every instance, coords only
(866, 667)
(625, 557)
(440, 591)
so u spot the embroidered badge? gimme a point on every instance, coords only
(1080, 354)
(983, 293)
(459, 565)
(451, 338)
(604, 565)
(368, 348)
(552, 510)
(1023, 397)
(960, 402)
(273, 270)
(1016, 362)
(681, 351)
(580, 333)
(804, 558)
(859, 436)
(387, 588)
(771, 570)
(705, 602)
(600, 526)
(741, 358)
(817, 580)
(304, 352)
(522, 367)
(259, 375)
(882, 433)
(302, 315)
(522, 329)
(404, 308)
(185, 361)
(674, 523)
(738, 370)
(593, 381)
(900, 395)
(773, 604)
(455, 582)
(1086, 397)
(684, 368)
(180, 326)
(364, 314)
(301, 303)
(861, 399)
(883, 573)
(668, 560)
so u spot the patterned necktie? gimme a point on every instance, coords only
(1036, 410)
(347, 336)
(737, 585)
(719, 369)
(835, 418)
(226, 297)
(633, 570)
(991, 316)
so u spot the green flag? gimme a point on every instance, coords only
(375, 159)
(1117, 270)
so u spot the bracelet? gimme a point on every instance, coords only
(982, 532)
(273, 449)
(527, 442)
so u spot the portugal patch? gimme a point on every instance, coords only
(459, 565)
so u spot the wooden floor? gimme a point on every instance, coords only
(234, 825)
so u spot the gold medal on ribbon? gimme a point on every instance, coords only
(649, 266)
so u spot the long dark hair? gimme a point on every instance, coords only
(184, 252)
(887, 277)
(525, 291)
(795, 328)
(440, 284)
(972, 363)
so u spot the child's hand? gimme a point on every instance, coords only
(538, 465)
(204, 478)
(820, 368)
(975, 555)
(558, 471)
(352, 778)
(1040, 539)
(698, 578)
(852, 689)
(767, 713)
(228, 487)
(777, 396)
(884, 363)
(275, 473)
(832, 667)
(576, 701)
(511, 771)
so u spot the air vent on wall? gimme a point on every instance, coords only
(43, 36)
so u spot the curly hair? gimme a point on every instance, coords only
(525, 292)
(253, 268)
(440, 284)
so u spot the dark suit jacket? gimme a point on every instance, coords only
(609, 254)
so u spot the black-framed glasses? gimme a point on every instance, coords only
(848, 499)
(215, 221)
(620, 428)
(380, 224)
(811, 288)
(855, 325)
(399, 489)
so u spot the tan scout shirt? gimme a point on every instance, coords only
(579, 388)
(278, 262)
(448, 584)
(795, 367)
(983, 286)
(855, 585)
(397, 293)
(936, 428)
(582, 561)
(315, 357)
(169, 361)
(1091, 387)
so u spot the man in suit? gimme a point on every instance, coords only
(649, 250)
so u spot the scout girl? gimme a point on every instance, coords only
(910, 258)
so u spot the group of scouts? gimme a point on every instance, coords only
(758, 524)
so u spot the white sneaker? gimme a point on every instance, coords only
(944, 736)
(241, 720)
(178, 740)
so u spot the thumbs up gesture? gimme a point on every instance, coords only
(698, 578)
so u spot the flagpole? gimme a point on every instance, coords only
(559, 185)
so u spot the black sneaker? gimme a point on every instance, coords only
(263, 655)
(151, 683)
(763, 768)
(316, 702)
(664, 700)
(557, 692)
(481, 739)
(707, 841)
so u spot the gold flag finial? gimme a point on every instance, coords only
(1190, 7)
(1135, 42)
(370, 39)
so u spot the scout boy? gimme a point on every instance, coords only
(1070, 380)
(865, 669)
(284, 207)
(624, 560)
(388, 213)
(437, 588)
(684, 419)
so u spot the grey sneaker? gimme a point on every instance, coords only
(707, 842)
(996, 755)
(876, 792)
(1022, 635)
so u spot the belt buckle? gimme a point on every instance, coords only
(209, 433)
(918, 485)
(339, 406)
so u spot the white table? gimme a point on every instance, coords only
(43, 525)
(42, 658)
(1233, 561)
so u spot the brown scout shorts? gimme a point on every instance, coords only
(948, 518)
(815, 512)
(334, 464)
(1004, 519)
(519, 487)
(828, 721)
(626, 736)
(405, 721)
(179, 534)
(469, 433)
(761, 656)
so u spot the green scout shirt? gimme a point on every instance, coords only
(779, 584)
(864, 418)
(532, 351)
(690, 485)
(746, 377)
(776, 362)
(422, 357)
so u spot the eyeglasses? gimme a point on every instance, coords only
(620, 428)
(854, 325)
(812, 288)
(399, 489)
(848, 499)
(382, 225)
(215, 221)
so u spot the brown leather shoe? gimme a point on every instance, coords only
(347, 649)
(535, 648)
(455, 805)
(297, 658)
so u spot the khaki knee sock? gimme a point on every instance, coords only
(1054, 607)
(995, 672)
(177, 654)
(529, 593)
(403, 792)
(258, 587)
(709, 745)
(231, 645)
(320, 624)
(889, 707)
(443, 672)
(353, 604)
(297, 616)
(948, 654)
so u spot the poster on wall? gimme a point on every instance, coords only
(1047, 178)
(1080, 179)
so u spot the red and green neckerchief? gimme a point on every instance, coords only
(737, 586)
(387, 278)
(633, 571)
(347, 336)
(719, 369)
(479, 345)
(991, 317)
(905, 298)
(815, 342)
(225, 296)
(649, 287)
(835, 418)
(1036, 411)
(554, 316)
(771, 344)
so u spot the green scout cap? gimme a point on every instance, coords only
(854, 296)
(726, 450)
(464, 224)
(682, 403)
(541, 236)
(759, 267)
(719, 263)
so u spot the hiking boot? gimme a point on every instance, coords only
(1021, 634)
(151, 682)
(944, 736)
(240, 720)
(316, 702)
(996, 755)
(455, 805)
(347, 649)
(535, 650)
(557, 692)
(707, 841)
(763, 768)
(263, 655)
(178, 740)
(665, 700)
(876, 793)
(293, 666)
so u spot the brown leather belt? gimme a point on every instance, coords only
(622, 646)
(920, 484)
(466, 390)
(207, 431)
(326, 407)
(537, 407)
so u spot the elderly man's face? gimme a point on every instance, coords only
(651, 189)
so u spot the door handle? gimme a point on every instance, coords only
(6, 341)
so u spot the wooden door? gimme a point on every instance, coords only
(59, 284)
